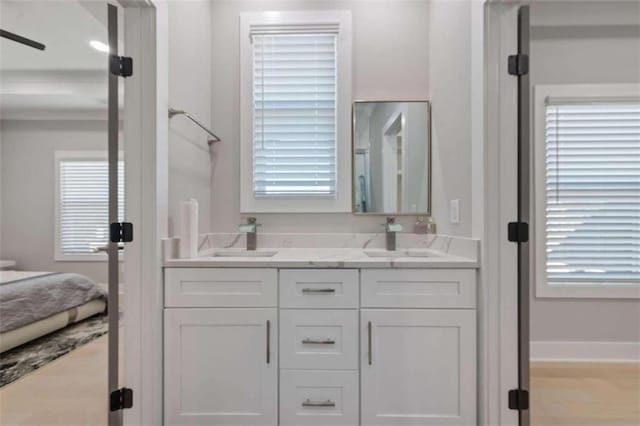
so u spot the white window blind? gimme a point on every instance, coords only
(294, 114)
(84, 204)
(592, 193)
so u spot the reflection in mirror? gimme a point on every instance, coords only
(391, 158)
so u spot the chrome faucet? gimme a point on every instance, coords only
(251, 229)
(391, 227)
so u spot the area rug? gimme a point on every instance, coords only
(26, 358)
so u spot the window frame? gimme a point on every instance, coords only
(59, 156)
(587, 92)
(341, 203)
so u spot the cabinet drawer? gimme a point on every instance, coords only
(220, 287)
(418, 288)
(319, 288)
(323, 398)
(319, 339)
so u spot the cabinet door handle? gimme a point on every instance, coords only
(268, 342)
(310, 341)
(318, 290)
(369, 354)
(328, 403)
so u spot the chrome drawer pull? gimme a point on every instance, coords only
(318, 290)
(268, 342)
(369, 353)
(309, 341)
(327, 403)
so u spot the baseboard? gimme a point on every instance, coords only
(586, 351)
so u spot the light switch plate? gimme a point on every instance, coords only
(454, 211)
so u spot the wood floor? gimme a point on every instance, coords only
(71, 391)
(585, 394)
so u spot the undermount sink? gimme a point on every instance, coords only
(245, 253)
(400, 253)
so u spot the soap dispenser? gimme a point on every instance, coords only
(424, 225)
(431, 225)
(420, 227)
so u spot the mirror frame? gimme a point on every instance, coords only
(427, 212)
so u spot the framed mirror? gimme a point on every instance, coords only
(391, 157)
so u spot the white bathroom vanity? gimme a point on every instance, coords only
(322, 336)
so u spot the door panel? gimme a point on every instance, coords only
(116, 161)
(418, 367)
(524, 156)
(221, 367)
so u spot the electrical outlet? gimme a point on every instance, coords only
(454, 211)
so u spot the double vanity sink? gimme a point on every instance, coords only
(322, 330)
(323, 257)
(393, 254)
(356, 251)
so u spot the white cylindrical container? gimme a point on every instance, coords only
(189, 229)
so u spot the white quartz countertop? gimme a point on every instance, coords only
(325, 258)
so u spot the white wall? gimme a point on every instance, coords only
(574, 43)
(391, 61)
(393, 58)
(450, 82)
(383, 69)
(27, 179)
(189, 90)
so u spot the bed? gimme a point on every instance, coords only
(33, 304)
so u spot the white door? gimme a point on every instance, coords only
(418, 367)
(221, 367)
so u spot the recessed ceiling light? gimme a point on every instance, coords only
(99, 46)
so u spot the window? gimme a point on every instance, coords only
(294, 115)
(82, 204)
(296, 88)
(589, 198)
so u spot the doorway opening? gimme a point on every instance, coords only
(584, 295)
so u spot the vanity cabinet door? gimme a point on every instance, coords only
(418, 367)
(221, 367)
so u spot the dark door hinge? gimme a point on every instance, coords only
(121, 232)
(518, 64)
(121, 399)
(518, 399)
(518, 232)
(122, 66)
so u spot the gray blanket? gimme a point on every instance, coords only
(31, 299)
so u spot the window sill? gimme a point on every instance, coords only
(630, 291)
